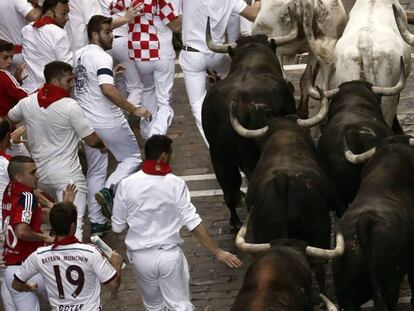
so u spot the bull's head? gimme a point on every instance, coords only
(244, 132)
(277, 20)
(365, 156)
(317, 94)
(310, 251)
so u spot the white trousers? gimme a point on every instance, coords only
(7, 299)
(24, 300)
(194, 66)
(123, 145)
(158, 79)
(131, 77)
(56, 191)
(8, 303)
(163, 279)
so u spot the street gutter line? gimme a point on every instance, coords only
(209, 193)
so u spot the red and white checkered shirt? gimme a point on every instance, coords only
(143, 43)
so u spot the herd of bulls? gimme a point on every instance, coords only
(362, 166)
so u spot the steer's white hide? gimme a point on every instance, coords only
(329, 20)
(370, 49)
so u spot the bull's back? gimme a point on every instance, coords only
(371, 45)
(280, 279)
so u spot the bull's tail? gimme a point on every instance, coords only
(364, 230)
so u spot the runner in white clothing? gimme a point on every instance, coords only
(150, 46)
(14, 14)
(154, 204)
(129, 83)
(72, 271)
(55, 123)
(45, 41)
(195, 57)
(102, 104)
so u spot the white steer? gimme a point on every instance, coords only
(327, 20)
(370, 49)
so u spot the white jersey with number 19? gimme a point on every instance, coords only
(72, 274)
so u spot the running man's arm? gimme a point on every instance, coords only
(194, 224)
(22, 219)
(24, 232)
(25, 272)
(112, 93)
(201, 233)
(251, 12)
(119, 212)
(82, 127)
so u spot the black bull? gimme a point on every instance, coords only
(279, 279)
(255, 77)
(378, 230)
(289, 195)
(355, 112)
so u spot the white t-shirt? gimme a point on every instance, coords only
(154, 208)
(72, 274)
(12, 19)
(195, 15)
(80, 12)
(40, 47)
(53, 135)
(93, 67)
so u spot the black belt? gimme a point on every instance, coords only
(189, 49)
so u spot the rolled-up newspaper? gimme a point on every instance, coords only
(104, 247)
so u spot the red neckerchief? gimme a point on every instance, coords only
(65, 241)
(5, 155)
(17, 49)
(153, 167)
(49, 93)
(44, 20)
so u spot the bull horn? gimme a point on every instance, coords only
(402, 26)
(330, 306)
(290, 36)
(318, 118)
(243, 131)
(328, 253)
(218, 48)
(394, 90)
(313, 93)
(249, 247)
(357, 158)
